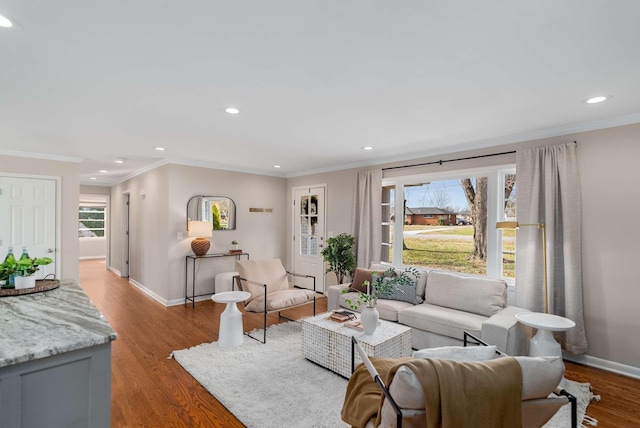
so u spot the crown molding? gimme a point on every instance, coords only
(46, 156)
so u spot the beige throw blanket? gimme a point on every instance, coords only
(483, 395)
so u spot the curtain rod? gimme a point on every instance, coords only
(440, 162)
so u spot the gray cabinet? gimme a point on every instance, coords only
(67, 390)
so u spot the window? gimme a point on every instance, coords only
(91, 221)
(449, 221)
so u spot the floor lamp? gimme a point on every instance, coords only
(540, 226)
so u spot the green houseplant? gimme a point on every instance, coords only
(25, 268)
(6, 270)
(338, 253)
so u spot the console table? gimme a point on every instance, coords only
(194, 259)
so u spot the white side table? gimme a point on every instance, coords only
(543, 343)
(230, 333)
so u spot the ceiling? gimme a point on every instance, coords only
(315, 81)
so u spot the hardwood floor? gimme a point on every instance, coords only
(149, 390)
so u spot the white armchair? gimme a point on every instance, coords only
(268, 283)
(403, 405)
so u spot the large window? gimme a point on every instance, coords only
(91, 221)
(447, 221)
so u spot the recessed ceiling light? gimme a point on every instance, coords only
(160, 149)
(4, 22)
(92, 178)
(232, 110)
(367, 148)
(598, 99)
(119, 160)
(277, 166)
(104, 171)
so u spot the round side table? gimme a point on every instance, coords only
(543, 343)
(230, 333)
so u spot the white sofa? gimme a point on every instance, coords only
(446, 304)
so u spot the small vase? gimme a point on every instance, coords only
(369, 318)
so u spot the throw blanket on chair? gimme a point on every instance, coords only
(483, 395)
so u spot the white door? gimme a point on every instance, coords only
(28, 219)
(309, 233)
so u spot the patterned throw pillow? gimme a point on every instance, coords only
(403, 293)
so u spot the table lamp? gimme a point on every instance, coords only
(201, 230)
(540, 226)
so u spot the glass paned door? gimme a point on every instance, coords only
(308, 239)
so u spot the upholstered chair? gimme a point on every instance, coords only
(272, 289)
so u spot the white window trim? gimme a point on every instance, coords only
(495, 186)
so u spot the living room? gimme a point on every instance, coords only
(607, 150)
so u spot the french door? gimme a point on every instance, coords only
(309, 233)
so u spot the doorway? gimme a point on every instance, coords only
(309, 233)
(29, 218)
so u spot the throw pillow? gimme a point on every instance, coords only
(403, 293)
(458, 353)
(359, 277)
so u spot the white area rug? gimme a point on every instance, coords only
(269, 385)
(273, 385)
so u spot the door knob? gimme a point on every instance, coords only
(50, 250)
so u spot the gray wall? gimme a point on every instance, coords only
(157, 256)
(607, 161)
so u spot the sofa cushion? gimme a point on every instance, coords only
(441, 320)
(387, 309)
(280, 299)
(540, 375)
(270, 272)
(482, 296)
(359, 277)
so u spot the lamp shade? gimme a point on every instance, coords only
(200, 229)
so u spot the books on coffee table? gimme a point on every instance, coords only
(342, 316)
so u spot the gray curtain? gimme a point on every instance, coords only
(367, 217)
(548, 191)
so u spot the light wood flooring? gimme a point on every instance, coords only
(149, 390)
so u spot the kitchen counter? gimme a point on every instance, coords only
(55, 360)
(52, 322)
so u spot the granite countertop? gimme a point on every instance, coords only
(52, 322)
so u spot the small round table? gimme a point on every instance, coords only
(230, 333)
(543, 343)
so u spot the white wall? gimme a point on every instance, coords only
(69, 172)
(93, 247)
(607, 160)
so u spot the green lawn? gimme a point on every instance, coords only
(453, 254)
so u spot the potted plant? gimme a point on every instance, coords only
(384, 284)
(26, 269)
(235, 244)
(338, 253)
(6, 270)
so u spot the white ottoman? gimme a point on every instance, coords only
(223, 282)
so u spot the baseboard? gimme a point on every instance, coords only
(603, 364)
(180, 301)
(148, 292)
(116, 271)
(92, 258)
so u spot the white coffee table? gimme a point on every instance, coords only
(328, 343)
(543, 343)
(230, 333)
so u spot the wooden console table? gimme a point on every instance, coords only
(193, 259)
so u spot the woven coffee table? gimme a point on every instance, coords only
(328, 343)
